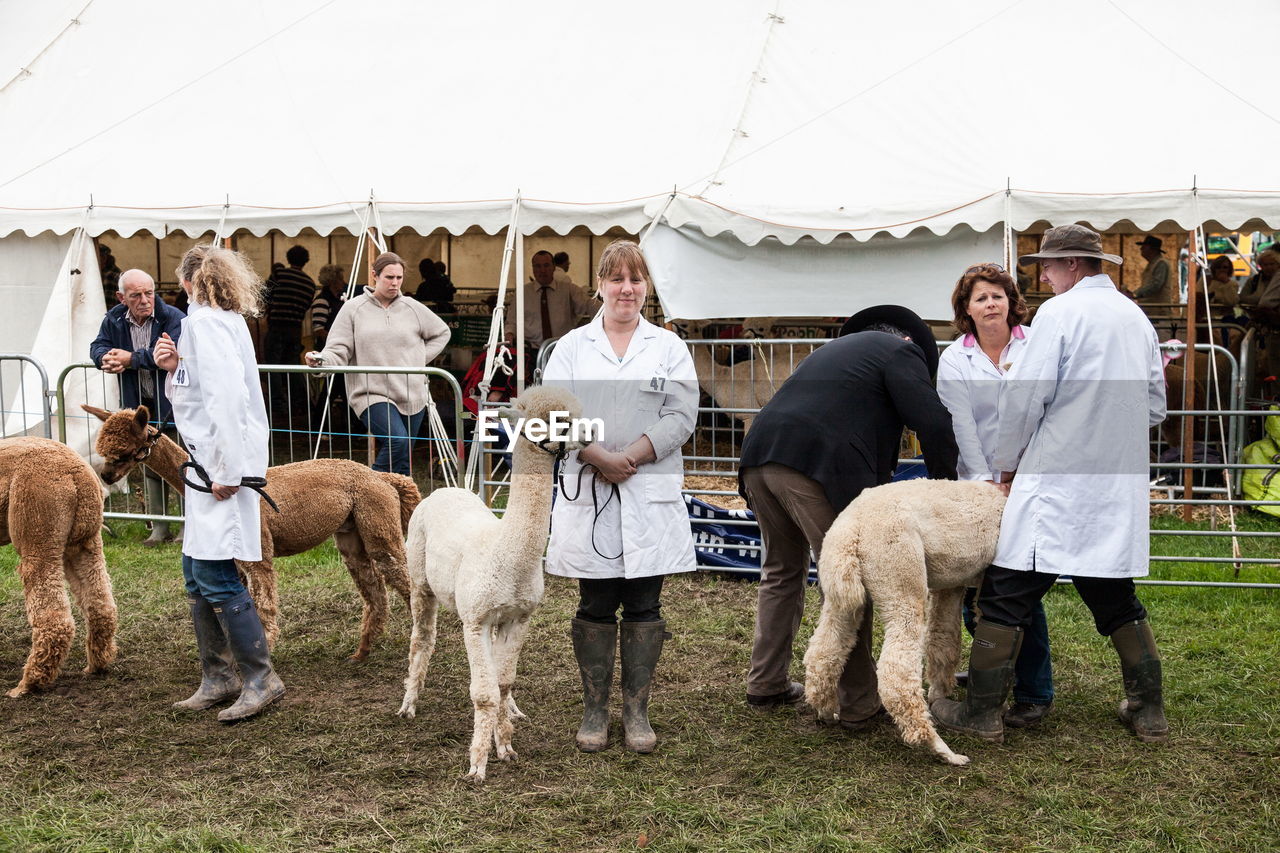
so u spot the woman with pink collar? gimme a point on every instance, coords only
(988, 312)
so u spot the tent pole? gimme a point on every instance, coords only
(1189, 379)
(517, 279)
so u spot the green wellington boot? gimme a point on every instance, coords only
(1142, 709)
(641, 647)
(594, 644)
(995, 648)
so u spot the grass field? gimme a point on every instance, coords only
(102, 763)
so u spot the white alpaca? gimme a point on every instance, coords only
(913, 547)
(489, 571)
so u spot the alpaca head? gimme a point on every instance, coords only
(548, 405)
(124, 440)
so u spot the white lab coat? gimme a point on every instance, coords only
(218, 409)
(654, 392)
(1075, 416)
(969, 386)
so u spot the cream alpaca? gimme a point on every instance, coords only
(366, 512)
(913, 547)
(51, 509)
(489, 571)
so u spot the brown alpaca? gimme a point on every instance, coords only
(51, 509)
(367, 513)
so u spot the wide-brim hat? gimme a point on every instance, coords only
(1154, 242)
(1070, 241)
(903, 318)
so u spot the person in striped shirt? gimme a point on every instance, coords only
(287, 304)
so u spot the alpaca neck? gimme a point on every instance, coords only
(165, 459)
(529, 502)
(707, 368)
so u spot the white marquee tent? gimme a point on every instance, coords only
(799, 157)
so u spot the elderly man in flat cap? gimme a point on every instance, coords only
(1074, 421)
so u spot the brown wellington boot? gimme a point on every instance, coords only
(995, 648)
(641, 647)
(1142, 710)
(593, 645)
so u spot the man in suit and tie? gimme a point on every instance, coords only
(833, 429)
(551, 307)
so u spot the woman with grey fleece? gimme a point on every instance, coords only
(382, 327)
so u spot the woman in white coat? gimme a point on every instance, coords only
(619, 524)
(218, 410)
(988, 312)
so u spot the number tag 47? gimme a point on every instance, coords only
(658, 383)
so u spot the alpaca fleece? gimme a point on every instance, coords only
(51, 510)
(913, 547)
(489, 571)
(366, 512)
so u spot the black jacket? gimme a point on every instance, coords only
(838, 419)
(114, 334)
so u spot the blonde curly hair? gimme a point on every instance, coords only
(222, 278)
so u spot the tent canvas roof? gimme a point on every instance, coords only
(771, 119)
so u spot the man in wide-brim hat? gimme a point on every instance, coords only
(1075, 414)
(832, 430)
(1155, 287)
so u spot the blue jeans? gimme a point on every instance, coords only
(393, 434)
(214, 580)
(1033, 671)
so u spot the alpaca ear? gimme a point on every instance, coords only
(140, 417)
(510, 413)
(100, 414)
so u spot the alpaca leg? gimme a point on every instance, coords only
(378, 531)
(422, 643)
(508, 640)
(484, 695)
(260, 580)
(48, 614)
(900, 670)
(91, 587)
(372, 591)
(829, 649)
(942, 641)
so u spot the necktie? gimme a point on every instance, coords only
(546, 314)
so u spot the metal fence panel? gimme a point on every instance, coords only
(17, 388)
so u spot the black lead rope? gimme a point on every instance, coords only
(257, 484)
(597, 508)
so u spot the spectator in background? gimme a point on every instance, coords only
(124, 347)
(1268, 263)
(287, 303)
(382, 327)
(1221, 294)
(561, 274)
(1157, 283)
(551, 308)
(435, 290)
(324, 310)
(110, 274)
(1262, 300)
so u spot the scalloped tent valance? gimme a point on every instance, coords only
(772, 119)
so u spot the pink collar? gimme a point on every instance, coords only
(1016, 332)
